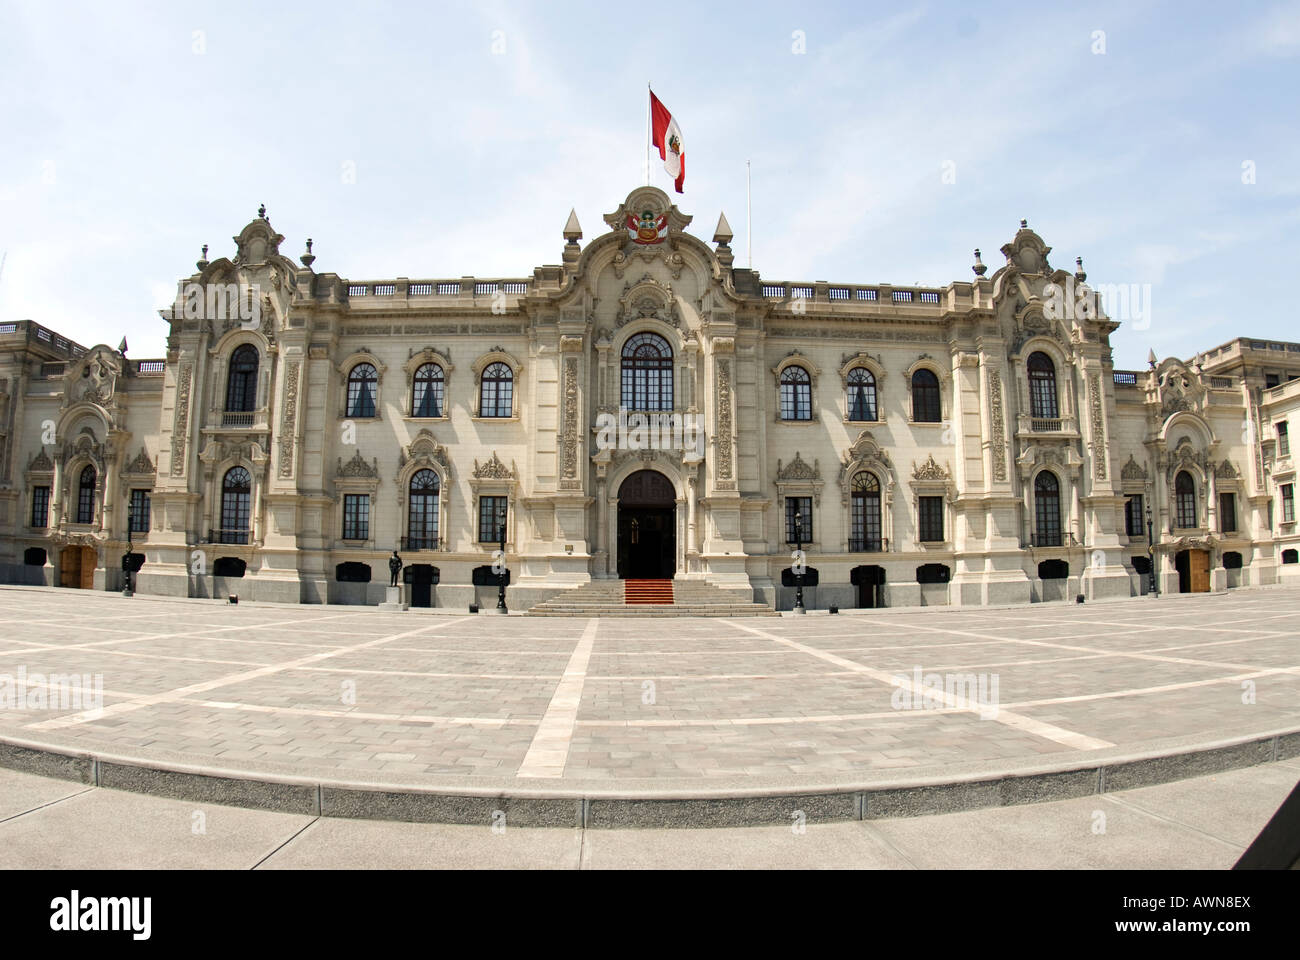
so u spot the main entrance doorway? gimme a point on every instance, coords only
(1193, 568)
(77, 567)
(647, 535)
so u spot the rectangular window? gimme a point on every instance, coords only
(929, 515)
(1283, 440)
(1227, 513)
(356, 516)
(40, 506)
(491, 518)
(801, 507)
(1271, 380)
(139, 511)
(1133, 521)
(1288, 503)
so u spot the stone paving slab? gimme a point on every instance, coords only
(351, 696)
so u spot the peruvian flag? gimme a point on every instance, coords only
(668, 138)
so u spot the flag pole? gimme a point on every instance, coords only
(749, 217)
(647, 133)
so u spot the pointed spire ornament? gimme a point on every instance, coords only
(308, 258)
(121, 347)
(1151, 358)
(572, 229)
(980, 269)
(722, 234)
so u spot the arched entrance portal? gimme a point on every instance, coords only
(77, 567)
(647, 537)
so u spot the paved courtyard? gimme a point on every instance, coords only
(357, 695)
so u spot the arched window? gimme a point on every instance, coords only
(647, 373)
(796, 394)
(422, 524)
(925, 397)
(86, 496)
(427, 400)
(361, 390)
(1047, 510)
(1042, 387)
(241, 381)
(862, 394)
(236, 495)
(496, 391)
(1185, 497)
(864, 517)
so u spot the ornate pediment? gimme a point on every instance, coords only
(930, 470)
(1226, 471)
(649, 299)
(798, 469)
(494, 469)
(93, 378)
(1133, 470)
(357, 468)
(41, 463)
(424, 448)
(866, 448)
(141, 465)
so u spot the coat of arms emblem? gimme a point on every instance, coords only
(647, 228)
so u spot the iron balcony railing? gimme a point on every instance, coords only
(880, 545)
(229, 536)
(420, 543)
(232, 419)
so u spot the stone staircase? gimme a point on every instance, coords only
(649, 598)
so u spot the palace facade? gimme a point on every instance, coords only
(965, 445)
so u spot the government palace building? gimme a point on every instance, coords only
(644, 410)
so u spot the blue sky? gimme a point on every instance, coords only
(441, 140)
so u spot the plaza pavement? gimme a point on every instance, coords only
(1201, 823)
(686, 707)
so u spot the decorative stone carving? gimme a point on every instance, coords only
(798, 469)
(569, 437)
(141, 465)
(493, 469)
(181, 425)
(41, 463)
(289, 419)
(1098, 428)
(998, 426)
(1133, 470)
(1226, 471)
(358, 468)
(723, 436)
(930, 470)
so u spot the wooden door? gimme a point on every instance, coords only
(70, 567)
(1199, 561)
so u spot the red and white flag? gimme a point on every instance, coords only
(668, 138)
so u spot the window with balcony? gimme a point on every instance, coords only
(236, 501)
(1042, 387)
(422, 519)
(1047, 510)
(86, 496)
(647, 373)
(1185, 500)
(356, 516)
(241, 380)
(865, 514)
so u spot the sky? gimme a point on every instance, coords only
(432, 140)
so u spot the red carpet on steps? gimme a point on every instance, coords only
(647, 591)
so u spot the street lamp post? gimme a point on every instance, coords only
(126, 557)
(1154, 588)
(799, 564)
(501, 577)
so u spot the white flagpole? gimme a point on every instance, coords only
(647, 134)
(749, 217)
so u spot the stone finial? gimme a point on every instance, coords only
(1024, 224)
(308, 258)
(261, 211)
(202, 262)
(1151, 358)
(1079, 274)
(722, 234)
(980, 269)
(572, 229)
